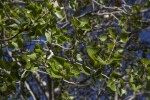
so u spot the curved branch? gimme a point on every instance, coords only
(13, 36)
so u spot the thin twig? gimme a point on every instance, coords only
(115, 17)
(111, 51)
(29, 89)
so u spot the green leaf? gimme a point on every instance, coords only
(79, 57)
(115, 75)
(112, 34)
(75, 69)
(120, 49)
(60, 60)
(3, 88)
(71, 97)
(32, 56)
(122, 83)
(118, 57)
(58, 13)
(54, 74)
(55, 67)
(15, 45)
(28, 65)
(7, 65)
(110, 45)
(13, 26)
(124, 35)
(75, 21)
(86, 27)
(136, 88)
(131, 80)
(17, 21)
(67, 66)
(92, 50)
(38, 50)
(145, 61)
(103, 37)
(111, 84)
(85, 70)
(104, 62)
(33, 69)
(121, 91)
(148, 70)
(48, 36)
(20, 42)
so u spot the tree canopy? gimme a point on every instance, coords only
(74, 49)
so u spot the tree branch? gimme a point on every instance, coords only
(30, 90)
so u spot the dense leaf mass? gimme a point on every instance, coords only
(74, 49)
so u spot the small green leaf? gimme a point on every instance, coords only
(124, 35)
(71, 97)
(118, 57)
(148, 70)
(75, 70)
(103, 37)
(28, 65)
(86, 27)
(131, 79)
(145, 61)
(112, 34)
(115, 75)
(104, 62)
(120, 50)
(122, 83)
(15, 45)
(67, 66)
(33, 69)
(54, 74)
(32, 56)
(59, 14)
(48, 36)
(136, 88)
(112, 85)
(75, 21)
(110, 45)
(92, 50)
(38, 50)
(85, 70)
(3, 88)
(14, 26)
(79, 58)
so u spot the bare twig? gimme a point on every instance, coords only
(115, 17)
(29, 89)
(136, 94)
(111, 51)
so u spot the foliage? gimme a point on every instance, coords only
(54, 52)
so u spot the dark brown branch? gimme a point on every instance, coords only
(20, 31)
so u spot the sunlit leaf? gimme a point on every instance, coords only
(79, 58)
(85, 70)
(32, 56)
(103, 37)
